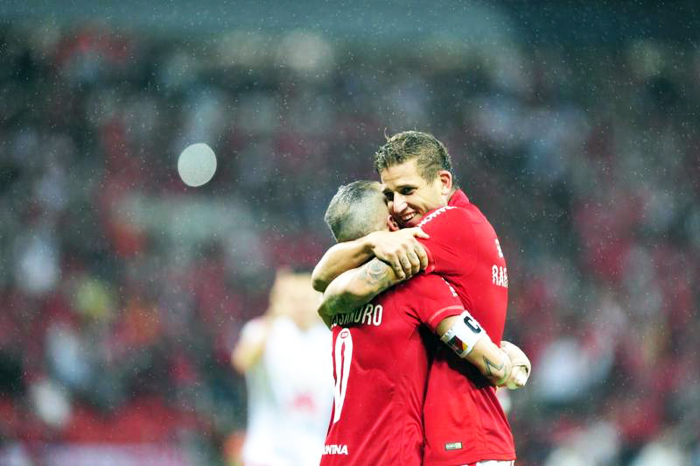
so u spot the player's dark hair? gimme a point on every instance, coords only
(429, 153)
(356, 210)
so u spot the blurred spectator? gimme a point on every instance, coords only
(285, 357)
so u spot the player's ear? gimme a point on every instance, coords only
(445, 182)
(391, 223)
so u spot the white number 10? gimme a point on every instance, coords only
(343, 358)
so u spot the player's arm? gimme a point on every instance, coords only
(251, 345)
(355, 287)
(325, 315)
(471, 342)
(400, 249)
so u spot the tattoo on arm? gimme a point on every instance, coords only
(490, 364)
(378, 275)
(365, 283)
(505, 366)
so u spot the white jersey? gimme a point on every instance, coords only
(290, 394)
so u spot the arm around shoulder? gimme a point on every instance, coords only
(251, 344)
(400, 249)
(356, 287)
(338, 259)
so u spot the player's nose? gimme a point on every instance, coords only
(399, 203)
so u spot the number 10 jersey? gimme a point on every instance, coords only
(381, 358)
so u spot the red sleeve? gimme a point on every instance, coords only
(450, 248)
(434, 299)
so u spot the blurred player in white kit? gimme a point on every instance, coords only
(284, 356)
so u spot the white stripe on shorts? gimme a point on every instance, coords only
(494, 463)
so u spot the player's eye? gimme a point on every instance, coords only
(407, 191)
(389, 195)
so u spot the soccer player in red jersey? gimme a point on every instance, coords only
(464, 422)
(382, 350)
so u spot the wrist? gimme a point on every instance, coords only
(369, 243)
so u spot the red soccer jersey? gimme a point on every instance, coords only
(464, 421)
(381, 355)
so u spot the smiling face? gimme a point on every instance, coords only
(409, 196)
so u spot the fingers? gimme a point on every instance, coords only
(519, 359)
(406, 266)
(402, 251)
(396, 264)
(518, 378)
(418, 256)
(414, 261)
(407, 263)
(419, 233)
(521, 377)
(422, 256)
(521, 365)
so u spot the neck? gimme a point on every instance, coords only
(449, 195)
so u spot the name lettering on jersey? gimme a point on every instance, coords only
(369, 314)
(499, 275)
(335, 450)
(498, 248)
(435, 214)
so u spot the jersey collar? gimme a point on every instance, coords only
(459, 199)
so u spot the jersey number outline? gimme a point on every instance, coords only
(343, 359)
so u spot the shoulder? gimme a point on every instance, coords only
(259, 326)
(441, 215)
(450, 217)
(448, 225)
(253, 326)
(424, 284)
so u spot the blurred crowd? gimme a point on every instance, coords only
(124, 291)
